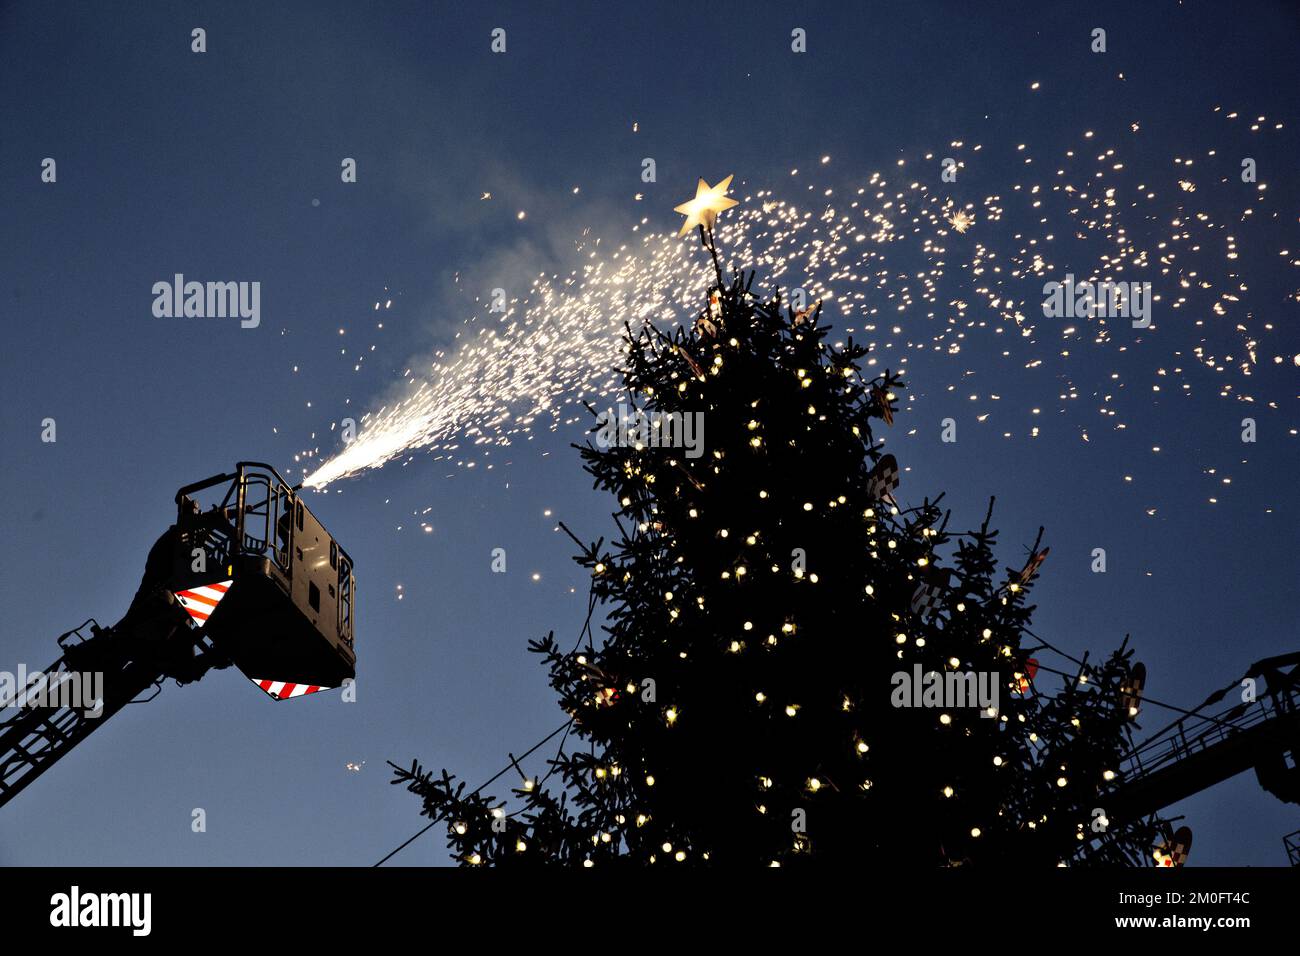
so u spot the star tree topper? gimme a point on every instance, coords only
(704, 208)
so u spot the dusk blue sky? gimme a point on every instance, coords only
(225, 166)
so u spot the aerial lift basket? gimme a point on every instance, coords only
(268, 585)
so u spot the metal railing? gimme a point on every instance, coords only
(1195, 733)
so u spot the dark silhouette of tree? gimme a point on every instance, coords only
(769, 608)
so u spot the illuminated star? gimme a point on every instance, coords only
(961, 220)
(704, 208)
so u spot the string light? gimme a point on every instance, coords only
(892, 570)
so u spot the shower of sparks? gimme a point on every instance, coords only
(876, 255)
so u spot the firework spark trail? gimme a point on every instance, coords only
(544, 354)
(878, 257)
(556, 348)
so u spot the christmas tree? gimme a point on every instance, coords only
(796, 668)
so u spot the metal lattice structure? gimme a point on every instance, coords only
(1292, 843)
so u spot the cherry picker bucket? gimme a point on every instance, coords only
(267, 584)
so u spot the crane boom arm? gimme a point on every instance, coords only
(153, 641)
(47, 722)
(1201, 769)
(1201, 750)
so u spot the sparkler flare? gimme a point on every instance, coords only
(961, 220)
(875, 255)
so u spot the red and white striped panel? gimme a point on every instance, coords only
(202, 601)
(282, 690)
